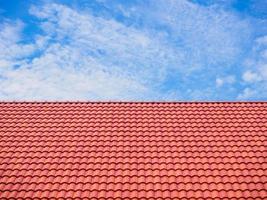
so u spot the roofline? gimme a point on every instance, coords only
(65, 101)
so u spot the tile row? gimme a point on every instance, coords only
(175, 157)
(81, 197)
(216, 157)
(128, 140)
(146, 121)
(169, 128)
(131, 103)
(194, 157)
(168, 108)
(133, 107)
(208, 154)
(133, 115)
(110, 124)
(215, 150)
(130, 136)
(197, 169)
(196, 182)
(151, 131)
(125, 114)
(155, 167)
(136, 193)
(207, 173)
(166, 132)
(134, 186)
(180, 140)
(102, 144)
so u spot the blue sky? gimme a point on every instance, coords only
(151, 50)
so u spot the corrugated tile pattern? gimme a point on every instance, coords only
(133, 150)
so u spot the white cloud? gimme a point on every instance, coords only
(10, 36)
(250, 76)
(262, 40)
(247, 93)
(12, 50)
(10, 32)
(54, 76)
(209, 37)
(89, 58)
(255, 74)
(262, 70)
(5, 63)
(220, 81)
(83, 56)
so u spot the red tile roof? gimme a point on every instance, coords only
(133, 150)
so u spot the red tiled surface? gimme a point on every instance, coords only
(133, 150)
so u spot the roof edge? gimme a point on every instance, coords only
(95, 102)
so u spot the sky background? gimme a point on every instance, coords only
(134, 50)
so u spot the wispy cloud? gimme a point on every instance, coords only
(220, 81)
(172, 50)
(86, 57)
(10, 38)
(255, 71)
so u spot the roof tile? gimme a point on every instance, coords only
(134, 150)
